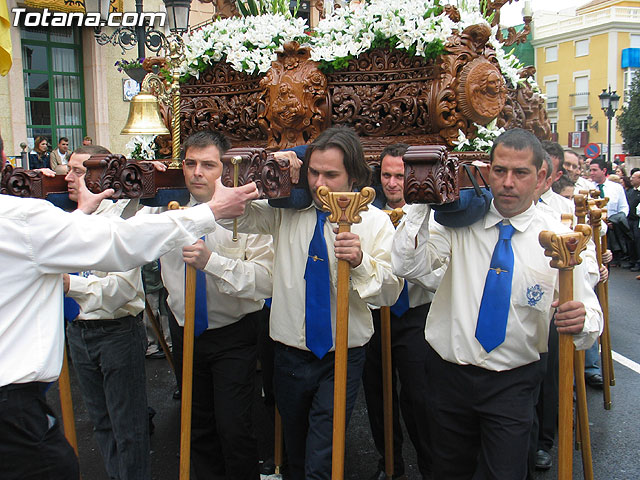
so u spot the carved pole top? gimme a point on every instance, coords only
(567, 219)
(595, 216)
(395, 215)
(564, 250)
(345, 206)
(580, 201)
(173, 205)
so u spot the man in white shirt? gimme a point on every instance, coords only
(489, 319)
(618, 233)
(60, 156)
(39, 243)
(234, 278)
(408, 346)
(303, 321)
(572, 162)
(107, 345)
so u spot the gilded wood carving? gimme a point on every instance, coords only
(293, 105)
(564, 250)
(345, 207)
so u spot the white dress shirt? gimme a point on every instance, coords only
(371, 282)
(40, 242)
(238, 276)
(617, 198)
(106, 296)
(583, 184)
(419, 247)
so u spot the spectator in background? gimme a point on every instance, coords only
(633, 199)
(572, 167)
(564, 187)
(60, 157)
(87, 140)
(39, 156)
(622, 173)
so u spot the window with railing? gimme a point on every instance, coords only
(580, 99)
(551, 88)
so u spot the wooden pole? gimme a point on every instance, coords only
(564, 251)
(387, 388)
(158, 331)
(345, 208)
(387, 370)
(582, 415)
(66, 404)
(187, 366)
(595, 216)
(278, 442)
(187, 372)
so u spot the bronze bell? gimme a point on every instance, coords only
(144, 117)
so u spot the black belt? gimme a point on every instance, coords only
(15, 391)
(102, 323)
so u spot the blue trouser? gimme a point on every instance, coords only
(108, 357)
(303, 386)
(592, 360)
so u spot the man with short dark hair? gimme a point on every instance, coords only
(233, 279)
(489, 319)
(303, 314)
(60, 156)
(408, 346)
(39, 243)
(572, 165)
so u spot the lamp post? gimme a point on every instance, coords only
(141, 35)
(609, 104)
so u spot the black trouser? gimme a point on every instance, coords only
(223, 443)
(32, 446)
(408, 353)
(480, 420)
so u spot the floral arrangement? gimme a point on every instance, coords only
(248, 44)
(482, 142)
(123, 65)
(142, 147)
(420, 27)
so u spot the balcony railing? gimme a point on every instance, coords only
(588, 20)
(579, 100)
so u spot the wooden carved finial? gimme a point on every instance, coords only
(594, 193)
(567, 219)
(595, 217)
(395, 215)
(580, 201)
(173, 205)
(564, 250)
(345, 206)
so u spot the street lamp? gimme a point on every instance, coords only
(609, 104)
(141, 35)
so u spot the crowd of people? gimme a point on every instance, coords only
(474, 313)
(41, 157)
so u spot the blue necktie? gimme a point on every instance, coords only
(318, 292)
(496, 298)
(71, 307)
(201, 316)
(402, 304)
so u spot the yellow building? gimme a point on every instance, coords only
(580, 52)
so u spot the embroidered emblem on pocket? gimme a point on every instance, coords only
(534, 295)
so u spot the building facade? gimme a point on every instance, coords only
(578, 53)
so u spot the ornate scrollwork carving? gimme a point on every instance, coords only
(525, 108)
(382, 93)
(482, 91)
(224, 101)
(395, 215)
(345, 207)
(565, 249)
(21, 183)
(431, 175)
(270, 174)
(293, 106)
(128, 178)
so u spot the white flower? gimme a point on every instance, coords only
(142, 147)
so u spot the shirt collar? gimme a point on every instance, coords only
(520, 222)
(547, 196)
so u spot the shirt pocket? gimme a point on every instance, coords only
(533, 289)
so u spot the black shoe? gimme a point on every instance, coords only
(177, 395)
(543, 460)
(381, 475)
(595, 381)
(267, 467)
